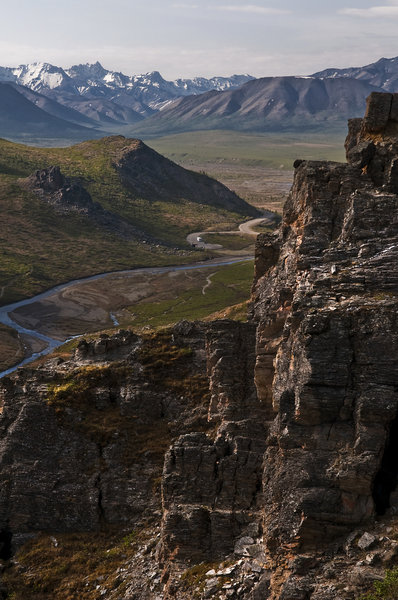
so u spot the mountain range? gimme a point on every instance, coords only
(266, 104)
(25, 115)
(90, 86)
(324, 99)
(86, 100)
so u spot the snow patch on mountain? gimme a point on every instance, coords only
(93, 79)
(104, 95)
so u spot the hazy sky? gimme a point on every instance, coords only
(200, 37)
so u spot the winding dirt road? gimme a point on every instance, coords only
(246, 228)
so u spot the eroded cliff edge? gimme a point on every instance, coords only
(278, 437)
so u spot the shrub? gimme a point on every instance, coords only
(387, 589)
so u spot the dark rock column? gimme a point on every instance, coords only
(211, 489)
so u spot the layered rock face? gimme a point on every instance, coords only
(326, 308)
(82, 441)
(325, 373)
(212, 487)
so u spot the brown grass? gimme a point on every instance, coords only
(70, 566)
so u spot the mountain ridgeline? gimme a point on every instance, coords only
(382, 74)
(267, 104)
(90, 100)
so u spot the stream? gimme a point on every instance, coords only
(51, 343)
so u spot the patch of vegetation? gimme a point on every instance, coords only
(237, 312)
(386, 589)
(230, 241)
(70, 565)
(74, 398)
(166, 366)
(75, 387)
(170, 367)
(195, 578)
(229, 285)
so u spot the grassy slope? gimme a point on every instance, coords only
(39, 248)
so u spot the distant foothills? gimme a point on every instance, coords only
(43, 101)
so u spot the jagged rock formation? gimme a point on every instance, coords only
(280, 435)
(212, 489)
(326, 310)
(52, 185)
(71, 197)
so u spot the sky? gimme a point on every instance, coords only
(187, 38)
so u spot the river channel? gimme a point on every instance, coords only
(52, 343)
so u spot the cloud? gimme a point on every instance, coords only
(373, 11)
(184, 5)
(252, 8)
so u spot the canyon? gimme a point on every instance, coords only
(247, 460)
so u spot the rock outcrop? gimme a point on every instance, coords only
(278, 437)
(212, 488)
(326, 310)
(82, 441)
(68, 197)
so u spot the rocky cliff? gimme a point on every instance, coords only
(249, 460)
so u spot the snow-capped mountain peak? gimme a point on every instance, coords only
(38, 76)
(108, 90)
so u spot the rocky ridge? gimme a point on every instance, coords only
(274, 441)
(382, 73)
